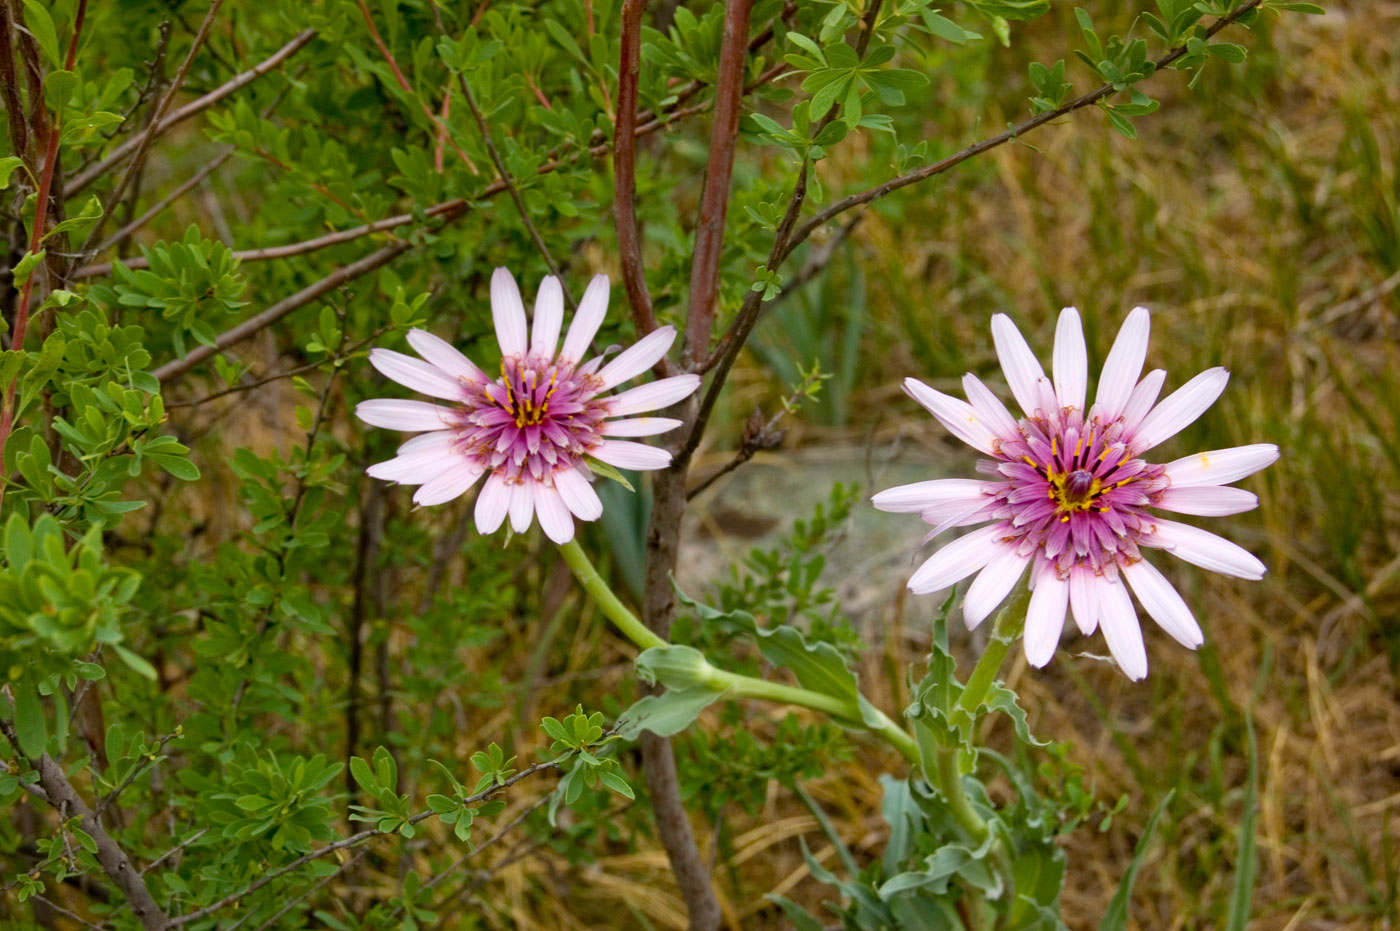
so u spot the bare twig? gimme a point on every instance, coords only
(110, 856)
(138, 160)
(351, 841)
(174, 850)
(283, 307)
(514, 192)
(714, 202)
(194, 107)
(629, 241)
(9, 86)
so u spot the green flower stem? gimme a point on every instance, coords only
(1011, 620)
(737, 685)
(615, 611)
(949, 778)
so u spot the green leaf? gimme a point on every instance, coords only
(135, 663)
(178, 466)
(364, 777)
(1116, 916)
(1242, 892)
(607, 471)
(619, 785)
(25, 267)
(8, 164)
(40, 25)
(30, 727)
(801, 919)
(58, 89)
(666, 714)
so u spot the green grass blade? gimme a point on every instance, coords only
(1242, 895)
(1115, 918)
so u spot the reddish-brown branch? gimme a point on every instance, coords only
(196, 106)
(714, 202)
(36, 238)
(388, 57)
(629, 240)
(9, 85)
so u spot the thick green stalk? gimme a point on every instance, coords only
(603, 596)
(737, 685)
(1007, 628)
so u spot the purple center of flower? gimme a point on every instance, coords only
(1073, 491)
(539, 415)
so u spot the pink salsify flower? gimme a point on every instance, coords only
(532, 429)
(1069, 494)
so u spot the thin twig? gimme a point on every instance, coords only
(283, 307)
(110, 856)
(174, 850)
(138, 160)
(351, 841)
(511, 189)
(194, 107)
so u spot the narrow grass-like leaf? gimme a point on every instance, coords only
(1115, 918)
(1242, 894)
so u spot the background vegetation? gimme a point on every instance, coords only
(289, 609)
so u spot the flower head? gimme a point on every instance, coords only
(1068, 493)
(532, 428)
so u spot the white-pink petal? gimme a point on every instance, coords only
(1141, 400)
(522, 505)
(1023, 371)
(1045, 618)
(956, 561)
(1164, 603)
(492, 505)
(1084, 599)
(578, 494)
(419, 463)
(408, 416)
(1071, 360)
(638, 426)
(555, 519)
(587, 319)
(638, 357)
(549, 318)
(653, 395)
(993, 584)
(1123, 365)
(1121, 628)
(1205, 549)
(508, 313)
(441, 353)
(1207, 500)
(989, 407)
(420, 376)
(1221, 466)
(1180, 409)
(957, 416)
(450, 484)
(916, 497)
(625, 455)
